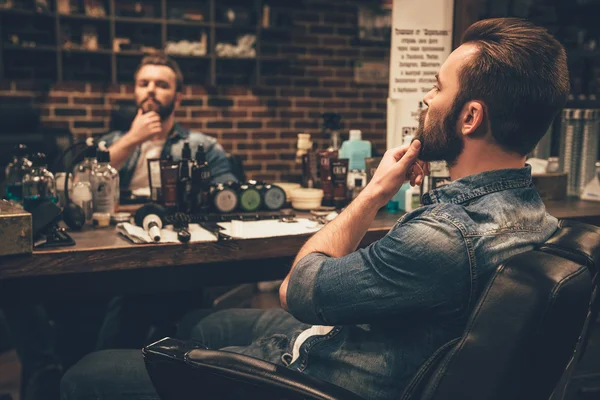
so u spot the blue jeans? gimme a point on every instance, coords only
(121, 374)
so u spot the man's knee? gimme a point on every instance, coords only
(95, 374)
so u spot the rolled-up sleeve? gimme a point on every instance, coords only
(418, 266)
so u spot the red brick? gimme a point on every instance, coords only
(233, 91)
(248, 103)
(264, 114)
(112, 88)
(373, 95)
(219, 124)
(249, 124)
(234, 113)
(321, 93)
(334, 41)
(264, 135)
(334, 84)
(278, 124)
(307, 104)
(278, 146)
(204, 113)
(57, 99)
(249, 146)
(231, 135)
(291, 114)
(100, 113)
(88, 100)
(70, 112)
(263, 156)
(181, 114)
(293, 92)
(69, 87)
(265, 177)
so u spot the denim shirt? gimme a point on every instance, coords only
(215, 155)
(393, 303)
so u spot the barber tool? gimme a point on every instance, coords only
(150, 217)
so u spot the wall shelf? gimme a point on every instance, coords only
(154, 32)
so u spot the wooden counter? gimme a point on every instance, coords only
(104, 262)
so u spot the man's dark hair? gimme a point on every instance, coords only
(520, 72)
(161, 59)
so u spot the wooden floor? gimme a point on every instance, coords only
(10, 368)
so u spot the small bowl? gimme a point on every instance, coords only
(306, 199)
(287, 188)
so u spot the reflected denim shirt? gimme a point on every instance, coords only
(215, 155)
(395, 302)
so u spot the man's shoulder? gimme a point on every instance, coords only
(111, 137)
(196, 138)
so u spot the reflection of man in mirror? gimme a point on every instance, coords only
(154, 133)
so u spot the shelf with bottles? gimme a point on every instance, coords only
(235, 44)
(236, 14)
(186, 13)
(80, 36)
(137, 38)
(187, 41)
(28, 32)
(138, 11)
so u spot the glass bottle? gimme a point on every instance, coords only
(38, 183)
(104, 180)
(15, 171)
(83, 170)
(201, 179)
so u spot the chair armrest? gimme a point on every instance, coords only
(184, 369)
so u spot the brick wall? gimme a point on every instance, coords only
(259, 121)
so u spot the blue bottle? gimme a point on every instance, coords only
(356, 150)
(15, 171)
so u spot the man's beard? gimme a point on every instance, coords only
(439, 140)
(163, 110)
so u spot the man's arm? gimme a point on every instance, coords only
(144, 127)
(342, 235)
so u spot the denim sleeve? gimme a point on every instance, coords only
(110, 138)
(419, 266)
(220, 170)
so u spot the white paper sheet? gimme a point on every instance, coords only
(167, 235)
(268, 228)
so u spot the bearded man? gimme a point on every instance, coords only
(154, 132)
(367, 319)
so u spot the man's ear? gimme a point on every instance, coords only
(178, 97)
(473, 117)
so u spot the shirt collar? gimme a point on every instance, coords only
(179, 133)
(473, 186)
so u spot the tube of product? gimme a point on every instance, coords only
(154, 180)
(169, 175)
(325, 158)
(339, 170)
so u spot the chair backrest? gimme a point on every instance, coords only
(529, 324)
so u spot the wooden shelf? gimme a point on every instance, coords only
(84, 17)
(16, 11)
(190, 56)
(140, 20)
(44, 48)
(176, 22)
(85, 51)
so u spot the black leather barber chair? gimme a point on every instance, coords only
(528, 327)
